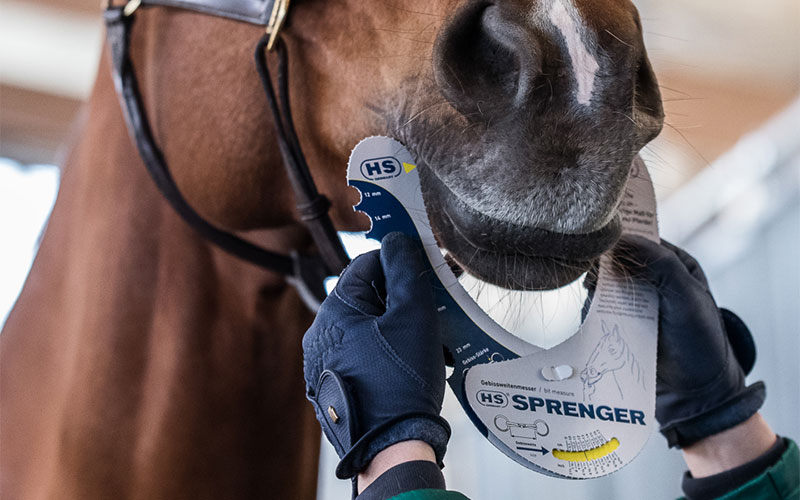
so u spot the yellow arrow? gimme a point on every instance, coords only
(408, 167)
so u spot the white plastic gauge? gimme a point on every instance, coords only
(579, 410)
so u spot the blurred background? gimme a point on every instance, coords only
(726, 170)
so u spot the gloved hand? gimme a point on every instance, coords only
(704, 352)
(374, 366)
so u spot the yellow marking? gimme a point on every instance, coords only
(408, 167)
(587, 455)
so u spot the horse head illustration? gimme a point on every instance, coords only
(609, 356)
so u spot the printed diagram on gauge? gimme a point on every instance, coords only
(612, 362)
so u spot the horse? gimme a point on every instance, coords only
(612, 363)
(141, 361)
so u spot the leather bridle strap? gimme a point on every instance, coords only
(305, 272)
(312, 206)
(252, 11)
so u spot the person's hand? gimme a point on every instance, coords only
(374, 366)
(704, 352)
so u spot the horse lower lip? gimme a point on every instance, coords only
(510, 256)
(535, 242)
(482, 232)
(518, 272)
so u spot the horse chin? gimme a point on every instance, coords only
(509, 255)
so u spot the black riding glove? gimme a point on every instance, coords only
(704, 352)
(374, 366)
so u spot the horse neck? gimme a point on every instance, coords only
(626, 355)
(629, 361)
(144, 340)
(626, 352)
(114, 231)
(632, 363)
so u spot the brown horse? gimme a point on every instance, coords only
(142, 362)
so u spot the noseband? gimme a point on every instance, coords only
(305, 272)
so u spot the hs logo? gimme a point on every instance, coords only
(381, 168)
(493, 398)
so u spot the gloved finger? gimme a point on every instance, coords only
(405, 265)
(690, 262)
(411, 324)
(644, 259)
(361, 285)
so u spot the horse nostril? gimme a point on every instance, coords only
(484, 63)
(648, 107)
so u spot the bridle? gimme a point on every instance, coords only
(306, 272)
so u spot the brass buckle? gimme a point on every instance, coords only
(276, 19)
(130, 6)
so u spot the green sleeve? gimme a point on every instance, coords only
(779, 482)
(430, 495)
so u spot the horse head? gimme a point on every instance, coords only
(524, 117)
(165, 358)
(608, 355)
